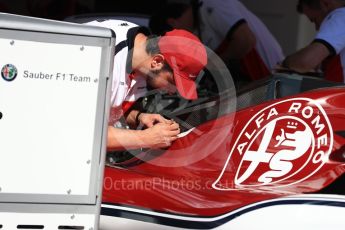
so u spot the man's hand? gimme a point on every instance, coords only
(160, 135)
(149, 120)
(135, 118)
(279, 68)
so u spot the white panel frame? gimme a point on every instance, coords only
(74, 196)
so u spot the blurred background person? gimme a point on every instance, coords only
(230, 29)
(327, 51)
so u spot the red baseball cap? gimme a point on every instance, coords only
(186, 55)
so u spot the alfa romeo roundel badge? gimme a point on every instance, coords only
(280, 145)
(9, 72)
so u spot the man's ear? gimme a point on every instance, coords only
(157, 62)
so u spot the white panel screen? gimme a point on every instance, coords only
(48, 98)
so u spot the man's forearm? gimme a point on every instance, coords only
(122, 139)
(238, 45)
(306, 59)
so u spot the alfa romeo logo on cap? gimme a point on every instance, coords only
(9, 72)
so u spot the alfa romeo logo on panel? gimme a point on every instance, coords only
(282, 144)
(9, 72)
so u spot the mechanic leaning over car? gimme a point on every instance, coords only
(170, 62)
(226, 26)
(327, 51)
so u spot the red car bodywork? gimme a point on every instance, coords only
(189, 186)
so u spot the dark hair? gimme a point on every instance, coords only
(158, 21)
(314, 4)
(152, 44)
(153, 48)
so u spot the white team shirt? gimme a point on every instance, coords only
(124, 88)
(220, 16)
(332, 35)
